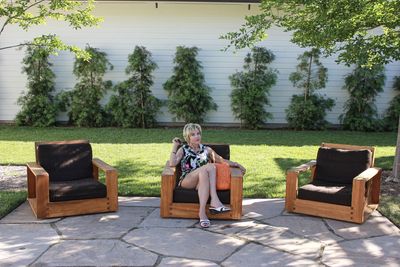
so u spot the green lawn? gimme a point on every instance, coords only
(140, 154)
(10, 200)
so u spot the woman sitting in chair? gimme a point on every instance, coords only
(197, 171)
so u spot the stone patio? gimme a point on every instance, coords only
(137, 236)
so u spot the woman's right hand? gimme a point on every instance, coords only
(176, 142)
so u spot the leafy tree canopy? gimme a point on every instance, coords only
(365, 32)
(28, 13)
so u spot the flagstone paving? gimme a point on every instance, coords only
(137, 236)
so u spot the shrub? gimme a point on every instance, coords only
(363, 85)
(188, 97)
(83, 101)
(308, 111)
(38, 107)
(251, 88)
(134, 105)
(393, 112)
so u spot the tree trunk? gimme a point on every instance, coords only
(395, 177)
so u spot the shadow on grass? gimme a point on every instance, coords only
(287, 163)
(227, 135)
(138, 179)
(268, 187)
(385, 163)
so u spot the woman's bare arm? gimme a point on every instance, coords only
(218, 159)
(176, 157)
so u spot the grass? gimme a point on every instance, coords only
(10, 200)
(140, 154)
(390, 207)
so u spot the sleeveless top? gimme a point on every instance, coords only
(191, 160)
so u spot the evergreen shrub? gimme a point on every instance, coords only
(251, 88)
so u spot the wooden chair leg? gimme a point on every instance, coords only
(376, 187)
(358, 201)
(236, 197)
(291, 190)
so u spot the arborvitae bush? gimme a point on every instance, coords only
(38, 107)
(393, 112)
(188, 97)
(363, 85)
(308, 111)
(251, 88)
(134, 105)
(83, 102)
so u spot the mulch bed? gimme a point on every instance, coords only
(12, 178)
(389, 188)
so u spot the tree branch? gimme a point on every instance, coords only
(12, 46)
(15, 16)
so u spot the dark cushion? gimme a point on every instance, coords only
(182, 195)
(79, 189)
(65, 161)
(341, 166)
(221, 149)
(326, 192)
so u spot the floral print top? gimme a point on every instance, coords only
(192, 160)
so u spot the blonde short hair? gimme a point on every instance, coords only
(189, 128)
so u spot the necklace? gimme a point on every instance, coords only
(195, 150)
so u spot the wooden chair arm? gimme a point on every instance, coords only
(236, 173)
(38, 186)
(102, 165)
(36, 170)
(168, 177)
(368, 174)
(303, 167)
(168, 180)
(168, 170)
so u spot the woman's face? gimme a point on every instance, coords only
(195, 137)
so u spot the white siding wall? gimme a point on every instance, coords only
(160, 30)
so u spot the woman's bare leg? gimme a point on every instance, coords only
(204, 180)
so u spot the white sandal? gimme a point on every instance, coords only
(205, 223)
(218, 210)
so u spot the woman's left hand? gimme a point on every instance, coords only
(243, 169)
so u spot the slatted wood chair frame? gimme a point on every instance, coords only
(38, 190)
(171, 209)
(365, 192)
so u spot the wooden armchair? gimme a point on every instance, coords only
(183, 203)
(64, 181)
(344, 184)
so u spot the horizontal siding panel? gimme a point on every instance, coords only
(161, 30)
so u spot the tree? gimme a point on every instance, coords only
(134, 105)
(28, 13)
(363, 85)
(188, 96)
(354, 29)
(308, 111)
(251, 88)
(83, 102)
(38, 107)
(393, 112)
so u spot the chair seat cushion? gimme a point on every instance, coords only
(341, 166)
(321, 191)
(182, 195)
(77, 189)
